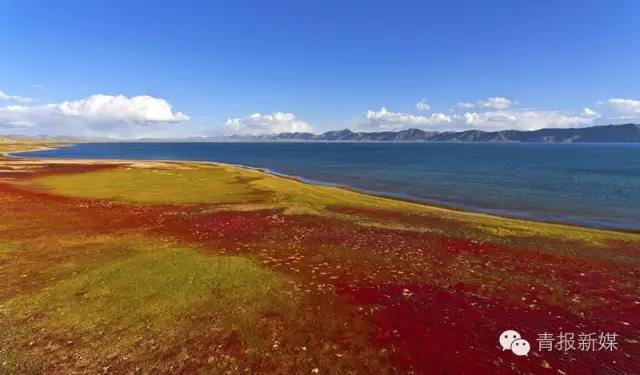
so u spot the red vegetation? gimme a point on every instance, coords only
(432, 303)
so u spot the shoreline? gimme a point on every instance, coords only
(7, 154)
(469, 212)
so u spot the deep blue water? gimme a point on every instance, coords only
(588, 184)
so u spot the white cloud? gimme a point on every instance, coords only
(525, 120)
(624, 109)
(423, 106)
(487, 120)
(14, 98)
(588, 112)
(277, 122)
(496, 102)
(386, 120)
(97, 115)
(138, 109)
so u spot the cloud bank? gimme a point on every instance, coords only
(628, 109)
(524, 120)
(14, 98)
(98, 115)
(387, 120)
(497, 113)
(138, 109)
(258, 123)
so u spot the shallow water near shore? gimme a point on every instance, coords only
(596, 185)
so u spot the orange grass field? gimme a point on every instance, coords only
(167, 267)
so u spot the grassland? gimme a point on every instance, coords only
(163, 267)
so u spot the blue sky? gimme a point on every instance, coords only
(206, 68)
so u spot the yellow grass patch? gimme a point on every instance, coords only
(211, 185)
(152, 295)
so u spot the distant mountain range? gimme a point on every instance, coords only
(624, 133)
(603, 133)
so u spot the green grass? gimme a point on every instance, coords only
(155, 186)
(153, 294)
(42, 260)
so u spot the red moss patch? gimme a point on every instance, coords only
(435, 331)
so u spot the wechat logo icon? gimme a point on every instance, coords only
(511, 340)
